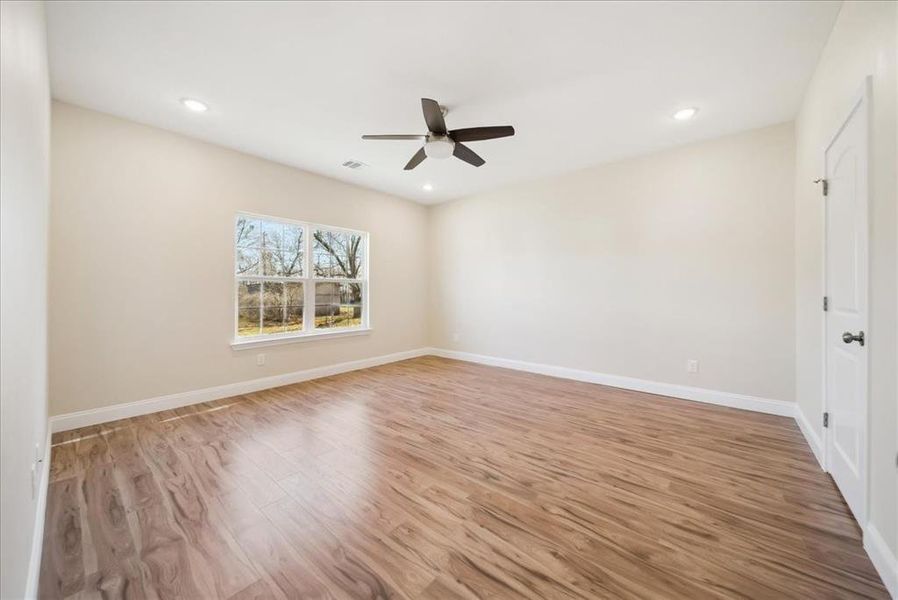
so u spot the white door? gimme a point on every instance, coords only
(846, 334)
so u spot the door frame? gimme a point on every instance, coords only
(860, 100)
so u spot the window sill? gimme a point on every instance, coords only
(239, 344)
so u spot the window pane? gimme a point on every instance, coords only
(272, 307)
(338, 305)
(247, 321)
(294, 295)
(270, 263)
(249, 295)
(338, 254)
(246, 234)
(294, 247)
(295, 301)
(272, 293)
(282, 250)
(273, 319)
(248, 261)
(272, 243)
(272, 234)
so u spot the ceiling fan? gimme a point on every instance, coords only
(442, 143)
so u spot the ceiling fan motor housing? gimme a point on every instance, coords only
(439, 146)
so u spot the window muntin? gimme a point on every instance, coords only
(295, 279)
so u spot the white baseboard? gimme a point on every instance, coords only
(37, 540)
(883, 559)
(810, 435)
(105, 414)
(764, 405)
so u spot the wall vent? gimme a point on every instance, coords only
(353, 164)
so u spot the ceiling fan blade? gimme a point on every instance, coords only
(475, 134)
(433, 116)
(395, 136)
(416, 160)
(466, 154)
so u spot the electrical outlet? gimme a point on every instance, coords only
(260, 360)
(692, 366)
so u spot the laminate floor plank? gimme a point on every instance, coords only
(259, 590)
(285, 573)
(337, 565)
(119, 572)
(432, 478)
(62, 572)
(209, 540)
(174, 571)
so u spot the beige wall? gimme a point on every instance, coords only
(24, 198)
(632, 268)
(862, 43)
(141, 269)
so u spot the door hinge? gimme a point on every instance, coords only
(826, 419)
(825, 185)
(825, 303)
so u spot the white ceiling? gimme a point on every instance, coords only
(299, 83)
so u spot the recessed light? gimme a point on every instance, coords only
(684, 114)
(427, 187)
(194, 105)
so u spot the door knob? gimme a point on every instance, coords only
(848, 337)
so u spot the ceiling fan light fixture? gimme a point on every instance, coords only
(439, 147)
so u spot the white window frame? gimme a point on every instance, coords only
(308, 280)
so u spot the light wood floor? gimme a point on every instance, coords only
(432, 478)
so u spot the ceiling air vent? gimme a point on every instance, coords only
(353, 164)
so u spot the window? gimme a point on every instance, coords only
(297, 279)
